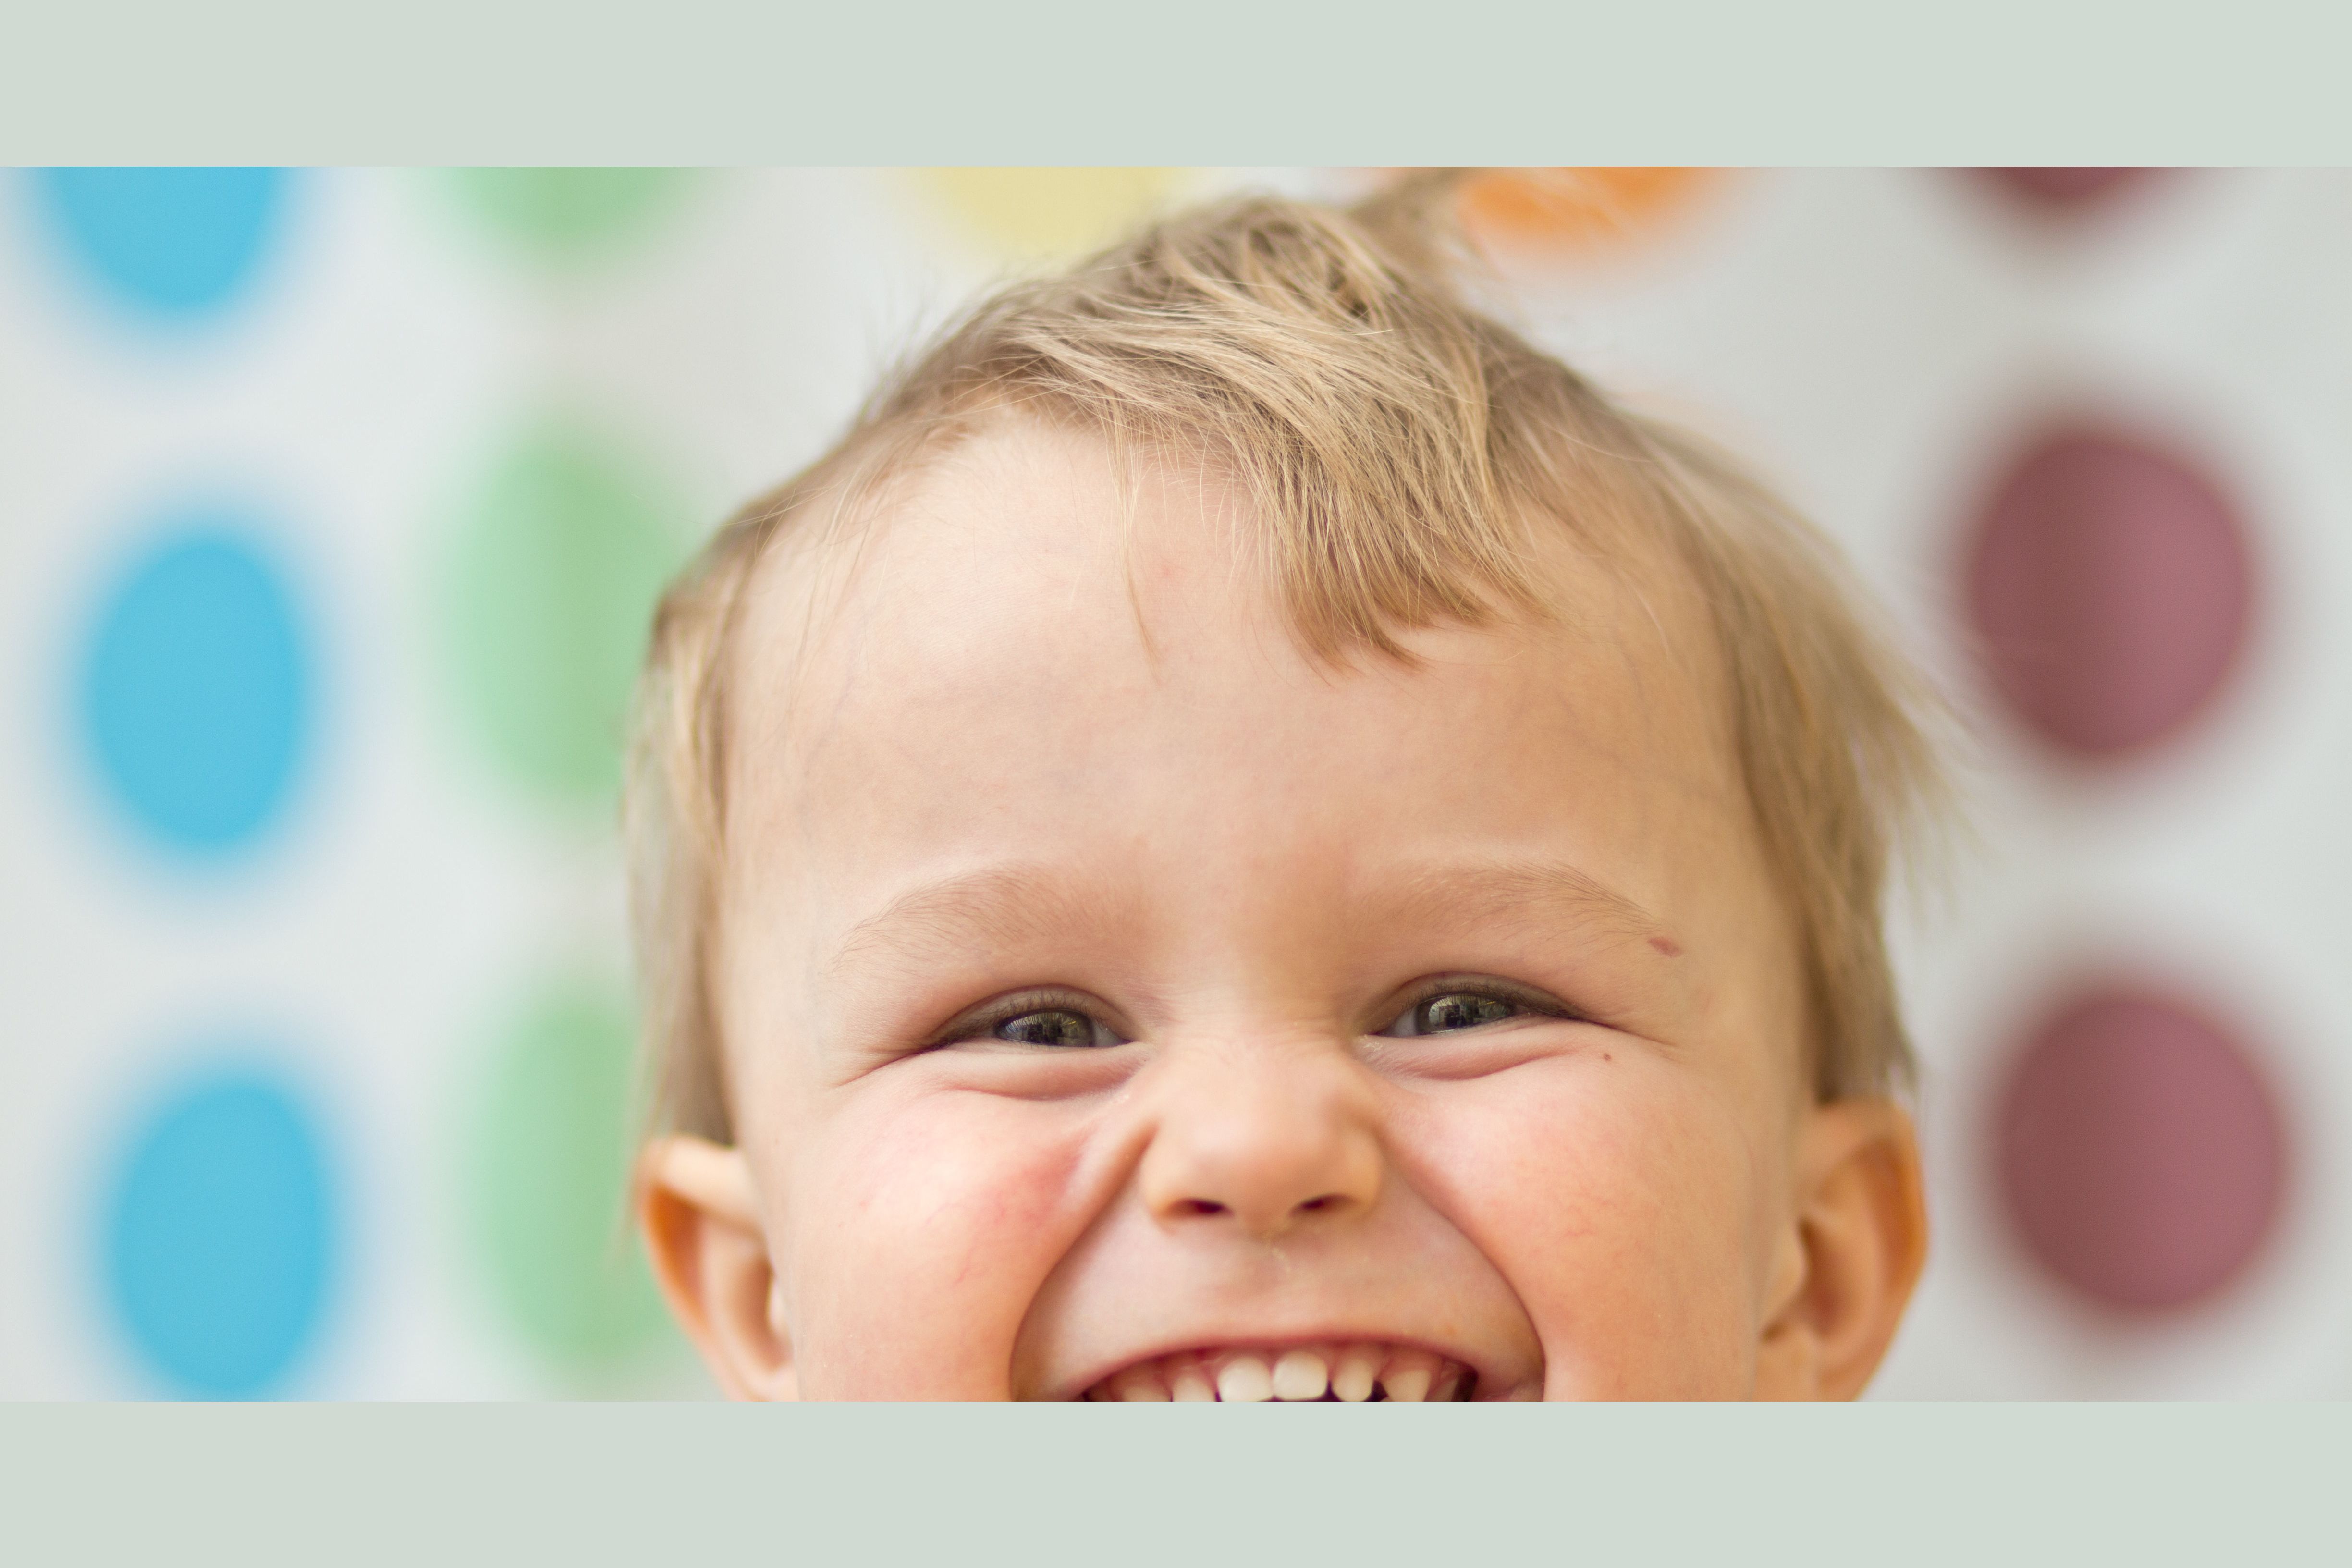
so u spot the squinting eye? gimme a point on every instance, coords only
(1453, 1010)
(1054, 1027)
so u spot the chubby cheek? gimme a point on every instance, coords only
(920, 1227)
(1626, 1203)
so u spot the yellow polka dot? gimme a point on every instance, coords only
(1050, 214)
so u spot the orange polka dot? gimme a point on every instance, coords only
(1576, 208)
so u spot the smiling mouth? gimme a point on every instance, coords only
(1351, 1373)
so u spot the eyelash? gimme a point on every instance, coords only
(983, 1023)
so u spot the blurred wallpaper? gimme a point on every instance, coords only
(333, 506)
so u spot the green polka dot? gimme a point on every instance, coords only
(566, 218)
(547, 599)
(547, 1177)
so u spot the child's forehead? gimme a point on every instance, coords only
(1025, 624)
(1029, 535)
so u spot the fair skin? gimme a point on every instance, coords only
(1118, 1001)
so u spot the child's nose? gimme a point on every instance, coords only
(1264, 1142)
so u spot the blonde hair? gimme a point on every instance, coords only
(1397, 442)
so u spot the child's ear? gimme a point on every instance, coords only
(701, 1220)
(1856, 1241)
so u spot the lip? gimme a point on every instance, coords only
(1486, 1387)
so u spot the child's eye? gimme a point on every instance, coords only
(1453, 1010)
(1057, 1019)
(1448, 1011)
(1458, 1010)
(1054, 1027)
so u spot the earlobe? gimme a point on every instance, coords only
(1856, 1243)
(699, 1212)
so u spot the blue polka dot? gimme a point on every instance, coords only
(219, 1237)
(195, 695)
(171, 243)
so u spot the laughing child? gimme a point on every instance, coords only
(1247, 833)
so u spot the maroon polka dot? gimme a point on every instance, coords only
(2067, 190)
(2110, 591)
(2140, 1152)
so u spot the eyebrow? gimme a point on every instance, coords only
(1002, 905)
(1010, 905)
(1533, 895)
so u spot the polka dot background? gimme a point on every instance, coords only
(549, 584)
(336, 503)
(1559, 212)
(219, 1234)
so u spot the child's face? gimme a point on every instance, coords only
(1092, 999)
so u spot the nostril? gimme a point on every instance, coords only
(1199, 1208)
(1329, 1200)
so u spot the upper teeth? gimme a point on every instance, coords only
(1350, 1372)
